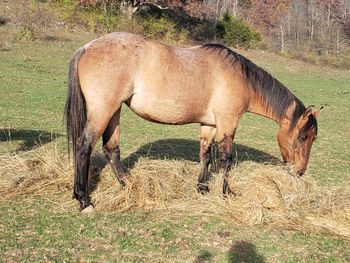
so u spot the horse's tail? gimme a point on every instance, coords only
(75, 109)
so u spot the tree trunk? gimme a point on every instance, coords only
(130, 11)
(129, 8)
(328, 28)
(235, 8)
(337, 41)
(289, 25)
(216, 16)
(282, 37)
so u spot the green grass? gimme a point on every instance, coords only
(29, 233)
(33, 79)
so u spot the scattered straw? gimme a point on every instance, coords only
(263, 194)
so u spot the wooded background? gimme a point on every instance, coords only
(313, 30)
(315, 25)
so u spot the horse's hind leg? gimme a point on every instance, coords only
(97, 121)
(84, 148)
(206, 141)
(111, 141)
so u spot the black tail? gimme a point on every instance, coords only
(75, 109)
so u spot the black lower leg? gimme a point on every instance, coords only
(203, 178)
(226, 189)
(117, 166)
(225, 150)
(81, 185)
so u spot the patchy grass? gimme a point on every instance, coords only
(43, 228)
(139, 236)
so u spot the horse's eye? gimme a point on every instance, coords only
(302, 138)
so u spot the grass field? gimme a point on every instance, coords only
(37, 228)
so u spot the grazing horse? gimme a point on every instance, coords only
(210, 85)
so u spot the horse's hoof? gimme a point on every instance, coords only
(88, 210)
(122, 182)
(228, 192)
(202, 188)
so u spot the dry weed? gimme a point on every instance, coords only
(263, 194)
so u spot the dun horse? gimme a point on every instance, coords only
(210, 85)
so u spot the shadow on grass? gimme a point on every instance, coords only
(97, 163)
(30, 139)
(53, 38)
(174, 149)
(243, 251)
(181, 149)
(203, 257)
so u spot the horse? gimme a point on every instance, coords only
(211, 85)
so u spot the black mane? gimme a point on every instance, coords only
(275, 95)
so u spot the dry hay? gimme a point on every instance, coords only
(264, 194)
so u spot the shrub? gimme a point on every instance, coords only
(108, 18)
(72, 14)
(236, 32)
(164, 29)
(203, 31)
(97, 18)
(33, 21)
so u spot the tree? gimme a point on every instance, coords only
(236, 32)
(195, 8)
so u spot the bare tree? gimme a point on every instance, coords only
(312, 13)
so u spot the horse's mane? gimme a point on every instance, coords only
(276, 96)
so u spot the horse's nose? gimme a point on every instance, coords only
(301, 172)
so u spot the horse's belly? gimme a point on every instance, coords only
(164, 110)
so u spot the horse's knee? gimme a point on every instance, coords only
(86, 141)
(112, 152)
(225, 153)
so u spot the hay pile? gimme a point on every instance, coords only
(264, 194)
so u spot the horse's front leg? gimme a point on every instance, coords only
(226, 133)
(206, 141)
(225, 153)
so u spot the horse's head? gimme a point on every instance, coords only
(295, 143)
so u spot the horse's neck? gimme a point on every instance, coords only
(258, 107)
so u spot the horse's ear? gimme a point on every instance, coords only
(316, 113)
(308, 111)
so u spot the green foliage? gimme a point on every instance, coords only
(236, 32)
(163, 28)
(107, 18)
(68, 11)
